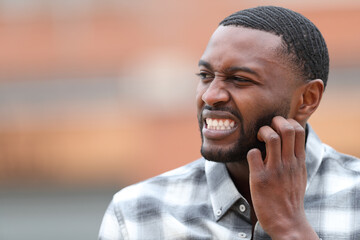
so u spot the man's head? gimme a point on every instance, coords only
(259, 63)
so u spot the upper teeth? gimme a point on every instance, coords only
(219, 124)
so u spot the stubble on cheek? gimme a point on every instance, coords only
(246, 141)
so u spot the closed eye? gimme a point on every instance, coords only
(204, 75)
(239, 80)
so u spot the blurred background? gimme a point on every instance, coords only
(96, 95)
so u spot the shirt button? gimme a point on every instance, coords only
(242, 208)
(218, 212)
(242, 235)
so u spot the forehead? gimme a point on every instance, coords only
(244, 46)
(241, 34)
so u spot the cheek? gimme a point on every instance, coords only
(247, 103)
(251, 107)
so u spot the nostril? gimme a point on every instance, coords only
(216, 93)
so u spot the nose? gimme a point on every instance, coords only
(216, 93)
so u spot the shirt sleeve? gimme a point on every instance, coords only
(110, 228)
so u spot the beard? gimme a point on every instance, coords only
(248, 137)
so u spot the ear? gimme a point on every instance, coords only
(311, 94)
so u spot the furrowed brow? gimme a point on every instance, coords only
(205, 64)
(241, 69)
(228, 70)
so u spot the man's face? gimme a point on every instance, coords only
(244, 83)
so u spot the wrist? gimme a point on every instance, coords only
(300, 231)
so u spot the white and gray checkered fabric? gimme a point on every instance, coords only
(200, 201)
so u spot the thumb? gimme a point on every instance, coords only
(255, 160)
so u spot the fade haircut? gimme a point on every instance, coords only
(302, 40)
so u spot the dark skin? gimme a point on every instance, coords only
(241, 69)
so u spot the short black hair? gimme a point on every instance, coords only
(303, 41)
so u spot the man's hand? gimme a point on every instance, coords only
(278, 182)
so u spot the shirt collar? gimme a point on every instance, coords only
(223, 193)
(314, 154)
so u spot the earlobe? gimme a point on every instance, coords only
(310, 99)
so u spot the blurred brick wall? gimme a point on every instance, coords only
(147, 124)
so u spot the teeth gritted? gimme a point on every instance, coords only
(219, 124)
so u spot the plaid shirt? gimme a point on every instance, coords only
(200, 201)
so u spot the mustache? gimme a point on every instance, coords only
(224, 109)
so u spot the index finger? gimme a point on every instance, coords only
(272, 144)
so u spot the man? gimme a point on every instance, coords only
(264, 173)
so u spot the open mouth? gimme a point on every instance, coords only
(219, 124)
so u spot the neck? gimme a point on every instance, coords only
(239, 173)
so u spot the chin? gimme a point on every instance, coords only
(223, 154)
(233, 152)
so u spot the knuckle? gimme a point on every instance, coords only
(299, 130)
(292, 169)
(274, 138)
(287, 130)
(301, 160)
(279, 171)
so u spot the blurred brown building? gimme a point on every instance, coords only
(102, 92)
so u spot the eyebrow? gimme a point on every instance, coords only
(205, 64)
(228, 70)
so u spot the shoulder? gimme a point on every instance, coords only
(168, 187)
(340, 162)
(331, 200)
(187, 173)
(145, 209)
(337, 177)
(323, 160)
